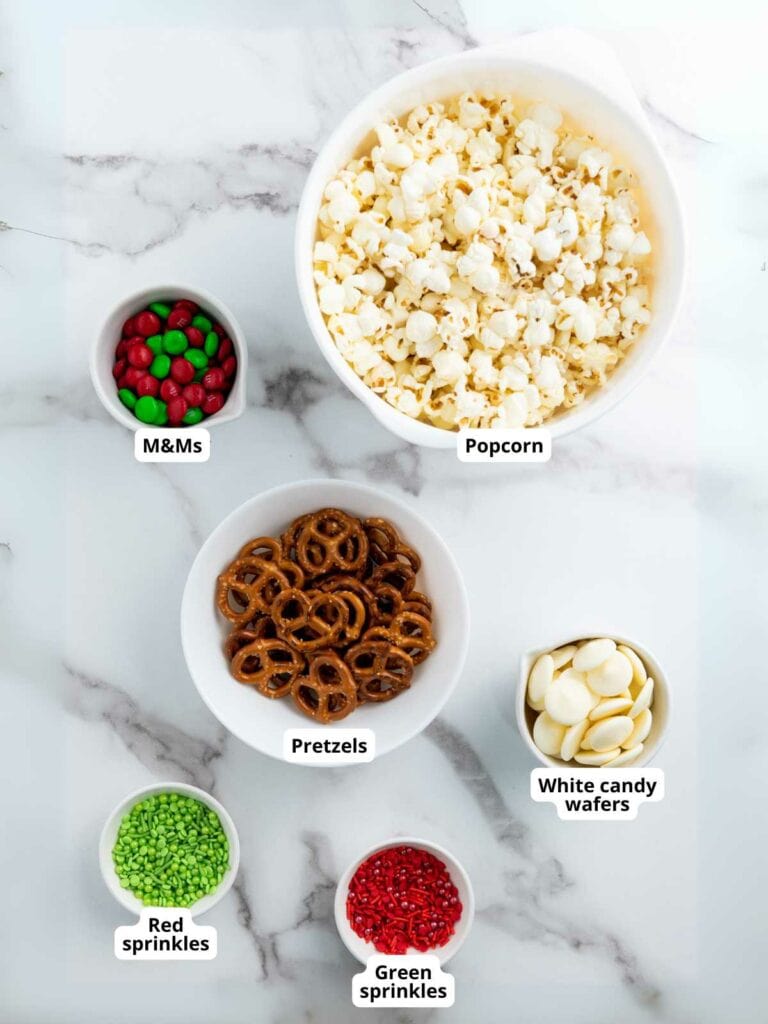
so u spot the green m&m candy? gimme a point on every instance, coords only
(147, 409)
(211, 346)
(202, 323)
(192, 416)
(162, 413)
(197, 357)
(175, 342)
(161, 366)
(155, 344)
(161, 309)
(127, 397)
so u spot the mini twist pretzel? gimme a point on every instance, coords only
(380, 669)
(394, 574)
(272, 666)
(357, 617)
(389, 603)
(309, 620)
(412, 633)
(386, 545)
(331, 540)
(328, 693)
(238, 638)
(351, 583)
(267, 548)
(248, 586)
(419, 603)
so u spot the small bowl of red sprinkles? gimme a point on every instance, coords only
(405, 896)
(170, 356)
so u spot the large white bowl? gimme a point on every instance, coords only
(661, 706)
(362, 949)
(622, 128)
(261, 722)
(109, 836)
(105, 343)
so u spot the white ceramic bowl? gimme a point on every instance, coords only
(616, 127)
(361, 949)
(109, 835)
(661, 706)
(260, 722)
(103, 351)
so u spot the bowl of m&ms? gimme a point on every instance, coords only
(170, 356)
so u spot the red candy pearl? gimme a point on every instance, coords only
(177, 408)
(118, 369)
(225, 349)
(148, 385)
(213, 402)
(140, 356)
(179, 318)
(229, 366)
(194, 337)
(214, 380)
(182, 370)
(147, 323)
(194, 394)
(169, 389)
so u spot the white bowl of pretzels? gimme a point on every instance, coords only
(318, 603)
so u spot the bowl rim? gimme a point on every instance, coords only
(353, 487)
(104, 384)
(406, 427)
(660, 680)
(454, 866)
(109, 831)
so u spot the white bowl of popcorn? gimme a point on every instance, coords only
(489, 241)
(598, 700)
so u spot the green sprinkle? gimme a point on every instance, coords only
(180, 868)
(161, 309)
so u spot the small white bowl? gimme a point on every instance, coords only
(109, 835)
(661, 706)
(103, 351)
(615, 125)
(361, 949)
(260, 722)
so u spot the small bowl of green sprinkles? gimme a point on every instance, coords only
(169, 845)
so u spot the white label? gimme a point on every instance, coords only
(164, 444)
(165, 933)
(329, 746)
(531, 444)
(597, 794)
(395, 981)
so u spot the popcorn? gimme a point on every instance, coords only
(484, 264)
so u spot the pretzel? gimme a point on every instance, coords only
(328, 693)
(412, 633)
(389, 603)
(249, 586)
(386, 545)
(331, 540)
(262, 547)
(394, 574)
(272, 666)
(419, 603)
(309, 620)
(381, 670)
(237, 639)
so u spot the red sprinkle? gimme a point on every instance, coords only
(403, 898)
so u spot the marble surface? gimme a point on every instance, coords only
(145, 142)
